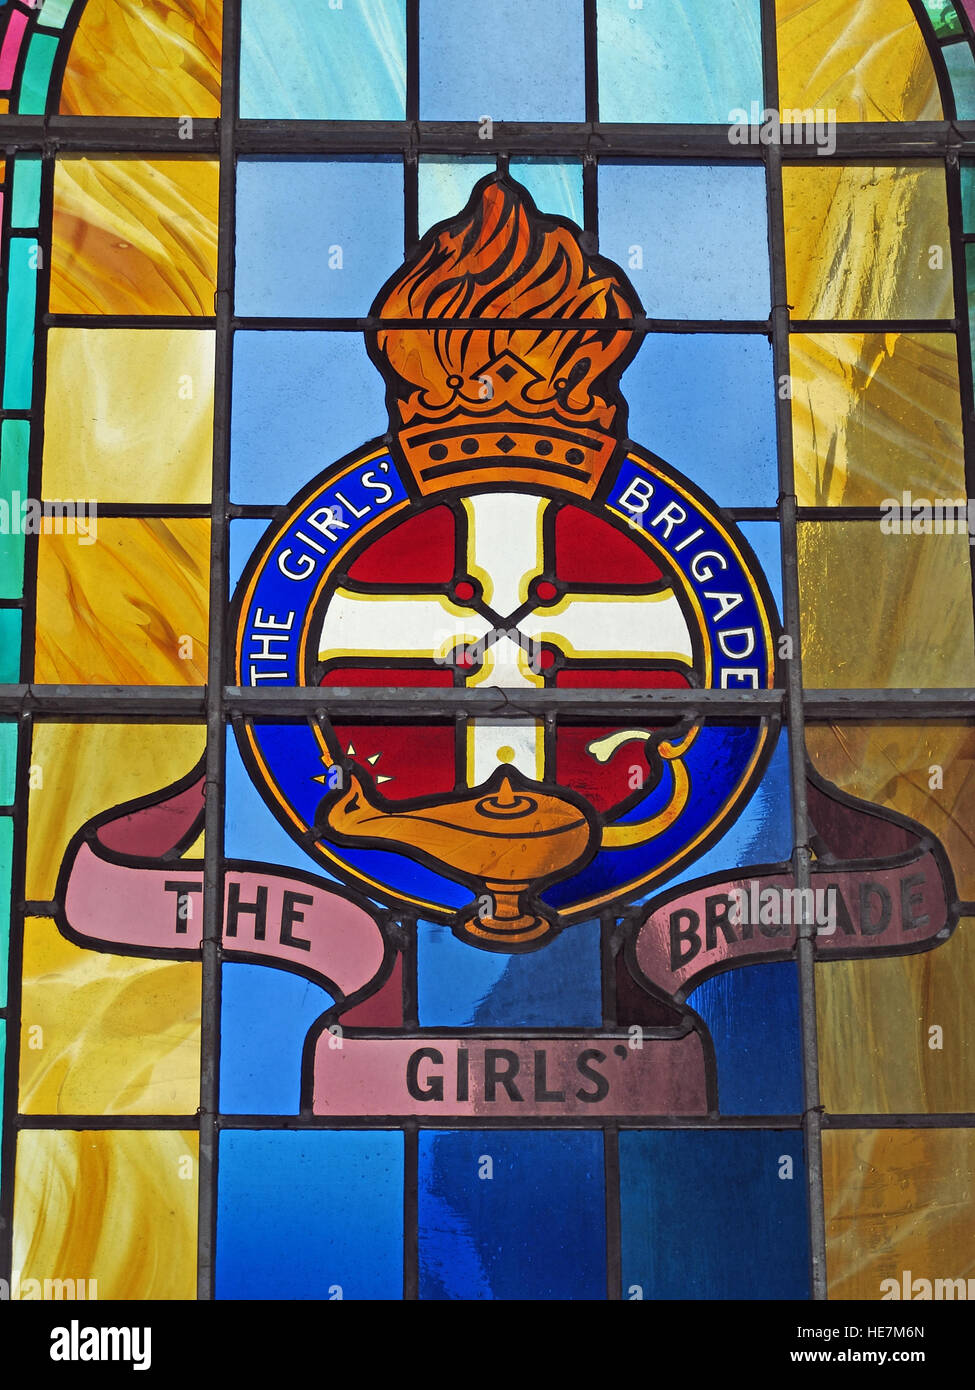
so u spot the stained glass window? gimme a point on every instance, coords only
(487, 649)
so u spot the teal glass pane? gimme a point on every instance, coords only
(961, 70)
(8, 762)
(26, 206)
(968, 196)
(14, 448)
(943, 16)
(970, 267)
(22, 290)
(445, 185)
(55, 12)
(555, 184)
(312, 62)
(678, 60)
(37, 74)
(6, 865)
(9, 646)
(504, 59)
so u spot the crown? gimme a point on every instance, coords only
(503, 348)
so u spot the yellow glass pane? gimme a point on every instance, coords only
(875, 1022)
(883, 611)
(865, 61)
(118, 1035)
(867, 242)
(116, 1206)
(130, 58)
(129, 414)
(925, 771)
(898, 1200)
(129, 610)
(80, 770)
(874, 415)
(134, 236)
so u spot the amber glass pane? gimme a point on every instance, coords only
(881, 611)
(129, 610)
(116, 1206)
(129, 415)
(867, 242)
(120, 1035)
(83, 769)
(880, 1048)
(130, 58)
(134, 236)
(925, 771)
(896, 1201)
(866, 61)
(874, 415)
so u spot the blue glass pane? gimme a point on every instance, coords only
(316, 237)
(961, 69)
(764, 539)
(290, 419)
(692, 238)
(306, 61)
(310, 1215)
(555, 184)
(753, 1017)
(705, 402)
(678, 60)
(445, 184)
(534, 1229)
(712, 1215)
(265, 1017)
(557, 987)
(497, 60)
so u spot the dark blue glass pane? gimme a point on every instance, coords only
(712, 1215)
(501, 61)
(316, 237)
(692, 238)
(310, 1215)
(753, 1017)
(534, 1229)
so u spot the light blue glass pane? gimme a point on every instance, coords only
(25, 210)
(678, 60)
(56, 12)
(700, 1208)
(961, 70)
(502, 59)
(22, 281)
(555, 184)
(535, 1231)
(8, 762)
(301, 401)
(445, 185)
(316, 237)
(461, 987)
(692, 238)
(705, 402)
(14, 447)
(764, 539)
(9, 646)
(265, 1016)
(6, 873)
(37, 74)
(306, 60)
(301, 1215)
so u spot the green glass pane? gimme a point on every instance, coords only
(9, 646)
(944, 17)
(19, 375)
(6, 862)
(8, 762)
(26, 208)
(968, 195)
(14, 450)
(961, 70)
(55, 12)
(970, 267)
(37, 74)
